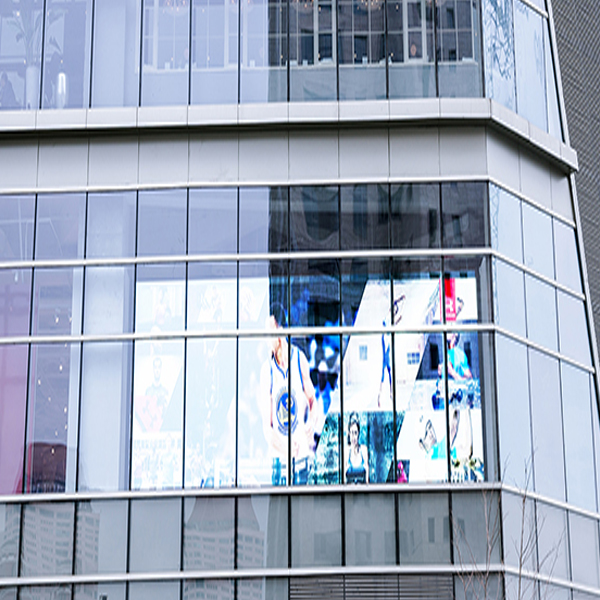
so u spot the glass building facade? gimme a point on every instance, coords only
(293, 303)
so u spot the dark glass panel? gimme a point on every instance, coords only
(213, 218)
(464, 215)
(364, 217)
(415, 215)
(263, 220)
(314, 218)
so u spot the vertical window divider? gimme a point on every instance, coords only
(92, 39)
(43, 53)
(139, 102)
(287, 61)
(434, 16)
(190, 50)
(185, 343)
(239, 67)
(237, 346)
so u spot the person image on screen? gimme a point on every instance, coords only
(386, 365)
(458, 365)
(280, 412)
(357, 458)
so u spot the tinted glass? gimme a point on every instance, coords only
(364, 217)
(263, 219)
(15, 301)
(537, 241)
(213, 221)
(198, 588)
(46, 593)
(505, 223)
(566, 256)
(10, 526)
(116, 63)
(16, 225)
(541, 324)
(509, 297)
(415, 215)
(554, 122)
(572, 328)
(67, 54)
(105, 416)
(314, 218)
(112, 591)
(464, 215)
(155, 535)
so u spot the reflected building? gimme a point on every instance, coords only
(293, 303)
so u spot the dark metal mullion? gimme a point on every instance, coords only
(190, 55)
(141, 65)
(93, 22)
(290, 469)
(287, 62)
(239, 61)
(386, 54)
(43, 55)
(434, 15)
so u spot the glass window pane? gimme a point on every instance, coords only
(518, 532)
(572, 328)
(156, 461)
(585, 557)
(108, 591)
(499, 52)
(270, 589)
(210, 413)
(596, 429)
(315, 432)
(111, 217)
(505, 223)
(223, 589)
(60, 224)
(531, 75)
(415, 215)
(67, 54)
(509, 297)
(568, 271)
(212, 295)
(364, 217)
(160, 297)
(52, 418)
(263, 76)
(553, 553)
(101, 544)
(314, 218)
(316, 529)
(153, 590)
(208, 532)
(370, 529)
(15, 301)
(264, 219)
(579, 448)
(424, 528)
(162, 222)
(512, 374)
(541, 324)
(464, 215)
(213, 221)
(537, 241)
(546, 412)
(108, 304)
(214, 52)
(13, 399)
(263, 294)
(56, 592)
(165, 53)
(467, 289)
(554, 124)
(116, 66)
(262, 532)
(16, 222)
(47, 547)
(155, 535)
(105, 416)
(10, 528)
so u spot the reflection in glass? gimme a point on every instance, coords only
(410, 49)
(212, 293)
(47, 544)
(156, 461)
(565, 256)
(165, 52)
(162, 221)
(20, 55)
(518, 533)
(15, 301)
(111, 221)
(537, 241)
(214, 52)
(210, 413)
(314, 218)
(160, 298)
(364, 217)
(101, 542)
(262, 529)
(546, 414)
(52, 418)
(314, 409)
(499, 52)
(572, 328)
(213, 218)
(554, 124)
(108, 591)
(424, 529)
(316, 530)
(60, 225)
(585, 558)
(208, 534)
(10, 527)
(263, 76)
(313, 51)
(262, 415)
(153, 590)
(269, 588)
(115, 68)
(263, 293)
(505, 223)
(577, 417)
(464, 213)
(264, 219)
(105, 416)
(415, 215)
(16, 224)
(55, 592)
(155, 535)
(467, 289)
(223, 589)
(370, 529)
(552, 540)
(541, 324)
(66, 77)
(509, 297)
(361, 47)
(13, 398)
(514, 426)
(529, 60)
